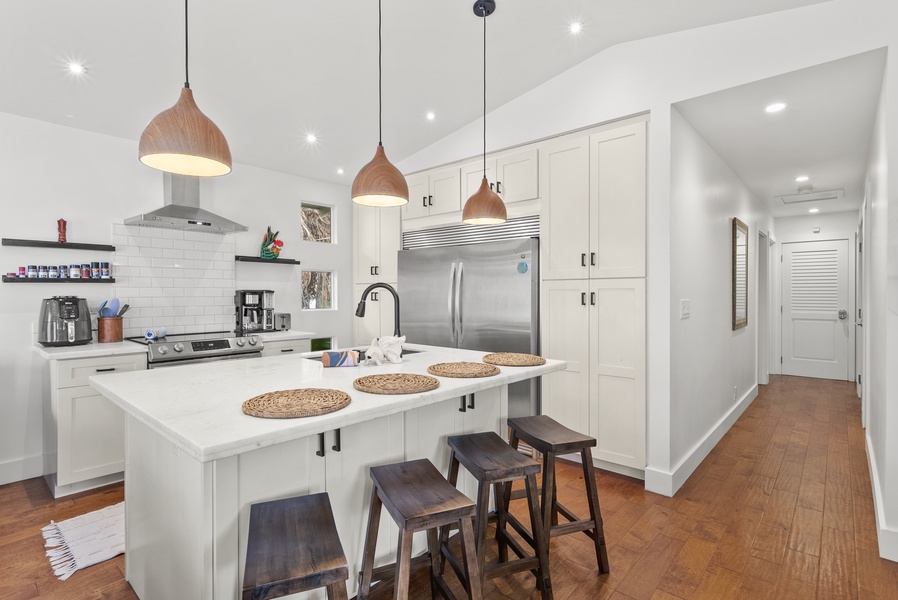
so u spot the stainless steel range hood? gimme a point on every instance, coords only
(182, 209)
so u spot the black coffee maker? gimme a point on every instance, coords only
(254, 311)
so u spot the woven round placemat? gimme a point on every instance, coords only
(463, 369)
(514, 359)
(288, 404)
(395, 383)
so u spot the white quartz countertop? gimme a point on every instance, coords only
(198, 407)
(95, 349)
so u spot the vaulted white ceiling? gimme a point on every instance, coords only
(268, 73)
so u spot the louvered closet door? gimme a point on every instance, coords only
(815, 290)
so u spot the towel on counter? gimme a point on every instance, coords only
(155, 333)
(348, 358)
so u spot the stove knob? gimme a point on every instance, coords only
(179, 347)
(163, 350)
(240, 342)
(253, 340)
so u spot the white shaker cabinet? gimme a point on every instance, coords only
(594, 194)
(433, 193)
(379, 316)
(376, 233)
(83, 431)
(513, 175)
(598, 327)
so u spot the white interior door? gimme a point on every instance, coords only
(816, 309)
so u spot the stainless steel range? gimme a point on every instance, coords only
(193, 348)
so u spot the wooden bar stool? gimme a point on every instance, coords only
(494, 463)
(418, 498)
(551, 438)
(293, 547)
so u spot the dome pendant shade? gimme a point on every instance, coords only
(379, 183)
(183, 140)
(485, 207)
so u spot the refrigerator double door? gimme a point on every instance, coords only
(478, 297)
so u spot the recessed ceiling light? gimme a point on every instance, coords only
(431, 116)
(776, 107)
(813, 210)
(576, 27)
(802, 178)
(340, 171)
(311, 138)
(76, 68)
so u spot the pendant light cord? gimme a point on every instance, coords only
(186, 50)
(380, 75)
(484, 91)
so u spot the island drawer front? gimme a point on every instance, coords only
(74, 372)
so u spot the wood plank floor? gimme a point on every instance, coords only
(780, 509)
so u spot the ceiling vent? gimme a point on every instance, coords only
(810, 196)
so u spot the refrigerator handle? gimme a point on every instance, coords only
(458, 305)
(451, 301)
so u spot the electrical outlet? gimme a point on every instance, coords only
(735, 391)
(685, 308)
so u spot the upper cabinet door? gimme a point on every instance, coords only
(472, 175)
(418, 191)
(617, 199)
(517, 175)
(564, 225)
(365, 224)
(445, 191)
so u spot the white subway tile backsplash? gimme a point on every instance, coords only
(204, 246)
(194, 254)
(162, 262)
(172, 253)
(185, 321)
(172, 234)
(172, 292)
(141, 242)
(163, 302)
(151, 252)
(152, 232)
(194, 236)
(151, 292)
(163, 243)
(183, 245)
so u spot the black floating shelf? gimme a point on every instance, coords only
(66, 245)
(8, 279)
(276, 261)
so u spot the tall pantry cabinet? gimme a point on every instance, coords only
(593, 189)
(377, 239)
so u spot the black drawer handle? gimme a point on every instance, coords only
(287, 349)
(463, 407)
(592, 298)
(498, 187)
(583, 298)
(430, 201)
(583, 259)
(592, 258)
(320, 451)
(471, 405)
(424, 201)
(105, 370)
(337, 444)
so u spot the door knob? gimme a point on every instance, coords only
(843, 314)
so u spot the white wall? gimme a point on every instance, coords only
(879, 324)
(93, 181)
(651, 75)
(713, 368)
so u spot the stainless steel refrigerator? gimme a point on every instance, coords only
(479, 297)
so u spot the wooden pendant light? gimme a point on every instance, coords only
(485, 207)
(182, 139)
(379, 183)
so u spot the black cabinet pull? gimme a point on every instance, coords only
(430, 201)
(583, 298)
(424, 201)
(498, 187)
(373, 296)
(583, 259)
(336, 445)
(320, 451)
(491, 186)
(463, 407)
(592, 258)
(105, 370)
(376, 270)
(592, 298)
(471, 405)
(287, 349)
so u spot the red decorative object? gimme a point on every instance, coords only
(60, 229)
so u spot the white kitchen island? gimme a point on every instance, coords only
(195, 463)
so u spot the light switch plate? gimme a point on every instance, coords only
(685, 308)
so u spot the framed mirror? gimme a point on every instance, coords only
(740, 274)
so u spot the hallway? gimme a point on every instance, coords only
(781, 508)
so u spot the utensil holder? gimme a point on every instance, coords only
(109, 329)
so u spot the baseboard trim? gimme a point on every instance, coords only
(21, 469)
(667, 483)
(606, 466)
(887, 537)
